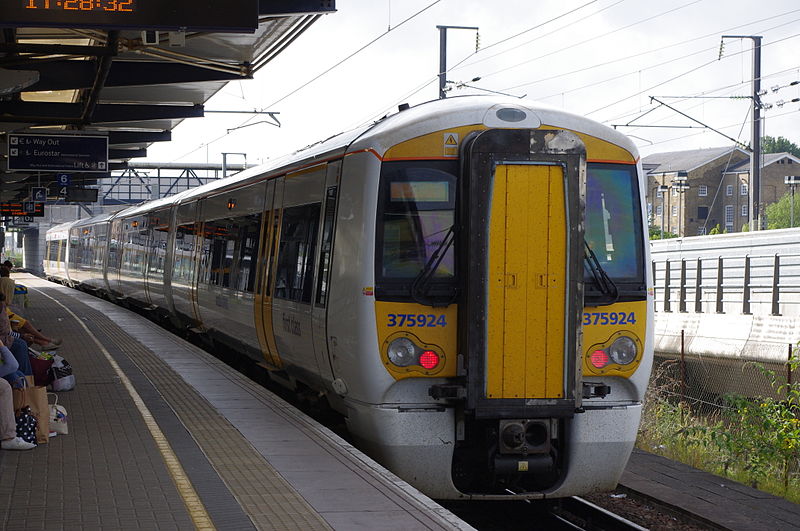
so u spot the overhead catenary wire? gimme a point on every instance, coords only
(315, 78)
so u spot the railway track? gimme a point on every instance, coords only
(569, 514)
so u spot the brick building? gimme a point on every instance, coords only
(717, 191)
(692, 210)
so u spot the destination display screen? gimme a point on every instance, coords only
(240, 16)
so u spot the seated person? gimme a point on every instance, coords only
(29, 332)
(7, 286)
(8, 425)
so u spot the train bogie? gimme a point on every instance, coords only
(464, 281)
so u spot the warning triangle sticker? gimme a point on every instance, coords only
(451, 141)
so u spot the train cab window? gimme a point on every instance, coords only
(612, 208)
(295, 271)
(416, 213)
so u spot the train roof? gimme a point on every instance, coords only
(403, 125)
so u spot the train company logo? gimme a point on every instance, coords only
(291, 325)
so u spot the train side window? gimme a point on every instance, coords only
(249, 234)
(325, 250)
(295, 271)
(184, 245)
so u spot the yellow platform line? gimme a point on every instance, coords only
(194, 505)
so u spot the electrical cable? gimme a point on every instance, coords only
(707, 35)
(315, 78)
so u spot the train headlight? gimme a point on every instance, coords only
(402, 352)
(622, 350)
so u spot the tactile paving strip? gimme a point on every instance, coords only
(265, 496)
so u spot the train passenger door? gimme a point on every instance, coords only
(270, 233)
(293, 282)
(325, 254)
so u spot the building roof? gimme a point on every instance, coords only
(766, 160)
(674, 161)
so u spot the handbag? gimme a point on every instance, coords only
(62, 377)
(58, 417)
(26, 425)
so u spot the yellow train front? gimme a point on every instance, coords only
(499, 340)
(464, 281)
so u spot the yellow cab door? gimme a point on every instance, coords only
(527, 265)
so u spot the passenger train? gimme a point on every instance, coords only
(465, 281)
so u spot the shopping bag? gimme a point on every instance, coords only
(41, 363)
(38, 405)
(26, 425)
(20, 393)
(58, 416)
(62, 377)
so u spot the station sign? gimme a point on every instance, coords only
(22, 208)
(57, 153)
(240, 16)
(39, 194)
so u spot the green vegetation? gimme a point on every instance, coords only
(779, 145)
(656, 234)
(755, 441)
(779, 215)
(717, 230)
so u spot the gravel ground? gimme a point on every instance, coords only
(642, 513)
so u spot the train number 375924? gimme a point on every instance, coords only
(416, 320)
(608, 318)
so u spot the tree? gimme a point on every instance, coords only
(779, 145)
(655, 234)
(779, 214)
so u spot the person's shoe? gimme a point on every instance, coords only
(52, 434)
(49, 346)
(16, 444)
(57, 341)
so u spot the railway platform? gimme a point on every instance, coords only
(163, 435)
(713, 500)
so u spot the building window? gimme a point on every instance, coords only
(702, 190)
(728, 214)
(702, 212)
(701, 231)
(729, 190)
(659, 193)
(659, 210)
(744, 211)
(743, 189)
(674, 191)
(674, 210)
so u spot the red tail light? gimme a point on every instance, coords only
(599, 359)
(429, 359)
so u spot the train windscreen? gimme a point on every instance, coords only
(416, 216)
(613, 226)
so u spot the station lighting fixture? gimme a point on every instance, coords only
(231, 203)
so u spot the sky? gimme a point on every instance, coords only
(604, 59)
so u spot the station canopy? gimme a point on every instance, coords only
(128, 70)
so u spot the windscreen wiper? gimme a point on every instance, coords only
(601, 279)
(422, 283)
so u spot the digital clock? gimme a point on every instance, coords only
(239, 16)
(118, 6)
